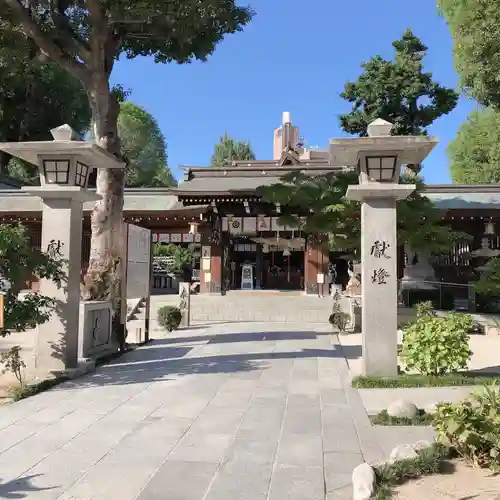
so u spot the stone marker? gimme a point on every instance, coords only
(363, 482)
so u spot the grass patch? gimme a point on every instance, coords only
(409, 381)
(383, 418)
(24, 391)
(430, 461)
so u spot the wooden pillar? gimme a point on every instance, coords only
(211, 275)
(258, 267)
(316, 265)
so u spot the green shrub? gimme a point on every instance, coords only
(169, 317)
(472, 427)
(425, 309)
(429, 461)
(436, 346)
(383, 418)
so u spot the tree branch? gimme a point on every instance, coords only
(45, 42)
(66, 33)
(99, 35)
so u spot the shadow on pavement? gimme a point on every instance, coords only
(20, 487)
(160, 360)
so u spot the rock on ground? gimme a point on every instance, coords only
(402, 409)
(403, 452)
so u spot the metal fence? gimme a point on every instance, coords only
(444, 296)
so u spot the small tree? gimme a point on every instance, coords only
(19, 263)
(489, 281)
(228, 150)
(398, 91)
(322, 199)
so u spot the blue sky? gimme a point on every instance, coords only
(294, 56)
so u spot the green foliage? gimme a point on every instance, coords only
(228, 150)
(436, 346)
(35, 96)
(169, 317)
(474, 154)
(398, 91)
(161, 250)
(383, 418)
(322, 207)
(425, 309)
(13, 362)
(23, 391)
(19, 262)
(408, 381)
(182, 257)
(144, 147)
(475, 27)
(488, 283)
(428, 462)
(472, 427)
(174, 31)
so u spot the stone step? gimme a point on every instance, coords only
(239, 306)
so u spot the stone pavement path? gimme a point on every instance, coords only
(235, 411)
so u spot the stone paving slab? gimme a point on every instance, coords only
(227, 411)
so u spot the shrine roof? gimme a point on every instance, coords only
(242, 178)
(464, 196)
(135, 200)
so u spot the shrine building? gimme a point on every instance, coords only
(241, 243)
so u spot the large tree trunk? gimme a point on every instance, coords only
(104, 275)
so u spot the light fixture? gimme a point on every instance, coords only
(265, 248)
(81, 175)
(489, 228)
(247, 207)
(380, 168)
(56, 171)
(193, 228)
(278, 208)
(286, 252)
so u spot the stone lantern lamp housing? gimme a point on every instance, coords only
(64, 163)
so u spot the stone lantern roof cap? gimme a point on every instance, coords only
(65, 143)
(410, 149)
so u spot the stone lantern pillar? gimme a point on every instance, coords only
(64, 165)
(379, 158)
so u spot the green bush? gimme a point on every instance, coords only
(436, 346)
(169, 317)
(472, 427)
(425, 309)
